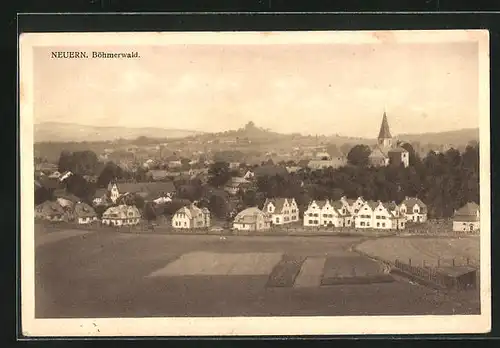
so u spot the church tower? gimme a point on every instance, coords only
(384, 136)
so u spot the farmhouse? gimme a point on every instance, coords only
(50, 211)
(413, 209)
(252, 219)
(282, 210)
(122, 215)
(467, 218)
(191, 217)
(84, 213)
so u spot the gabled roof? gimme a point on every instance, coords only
(249, 215)
(191, 211)
(372, 204)
(377, 152)
(120, 212)
(398, 149)
(49, 208)
(384, 132)
(84, 210)
(469, 212)
(278, 202)
(411, 201)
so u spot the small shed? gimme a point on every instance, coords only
(459, 277)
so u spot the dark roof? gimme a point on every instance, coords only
(411, 201)
(278, 202)
(467, 213)
(384, 129)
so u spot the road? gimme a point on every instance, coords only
(110, 274)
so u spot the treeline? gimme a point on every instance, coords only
(444, 181)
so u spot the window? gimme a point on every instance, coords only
(356, 210)
(310, 222)
(378, 224)
(277, 219)
(362, 223)
(368, 224)
(316, 215)
(316, 221)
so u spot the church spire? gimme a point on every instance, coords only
(384, 135)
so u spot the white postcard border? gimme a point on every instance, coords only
(238, 326)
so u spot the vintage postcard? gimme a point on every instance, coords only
(251, 183)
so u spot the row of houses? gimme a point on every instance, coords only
(359, 213)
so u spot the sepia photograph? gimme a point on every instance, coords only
(255, 183)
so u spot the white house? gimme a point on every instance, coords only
(282, 210)
(191, 217)
(467, 218)
(252, 219)
(353, 205)
(413, 209)
(379, 215)
(122, 215)
(326, 213)
(249, 175)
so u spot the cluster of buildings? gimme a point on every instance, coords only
(355, 213)
(358, 213)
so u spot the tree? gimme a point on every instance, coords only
(78, 186)
(219, 206)
(110, 172)
(65, 161)
(150, 213)
(358, 155)
(219, 174)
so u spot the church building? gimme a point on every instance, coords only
(386, 152)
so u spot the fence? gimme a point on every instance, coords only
(435, 228)
(466, 279)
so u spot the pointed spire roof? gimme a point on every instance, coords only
(384, 133)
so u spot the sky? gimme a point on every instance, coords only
(308, 88)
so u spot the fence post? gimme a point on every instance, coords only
(453, 262)
(439, 262)
(409, 262)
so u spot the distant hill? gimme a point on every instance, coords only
(455, 137)
(65, 132)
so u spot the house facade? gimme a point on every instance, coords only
(191, 217)
(380, 215)
(413, 209)
(122, 215)
(326, 213)
(467, 218)
(84, 213)
(281, 210)
(252, 219)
